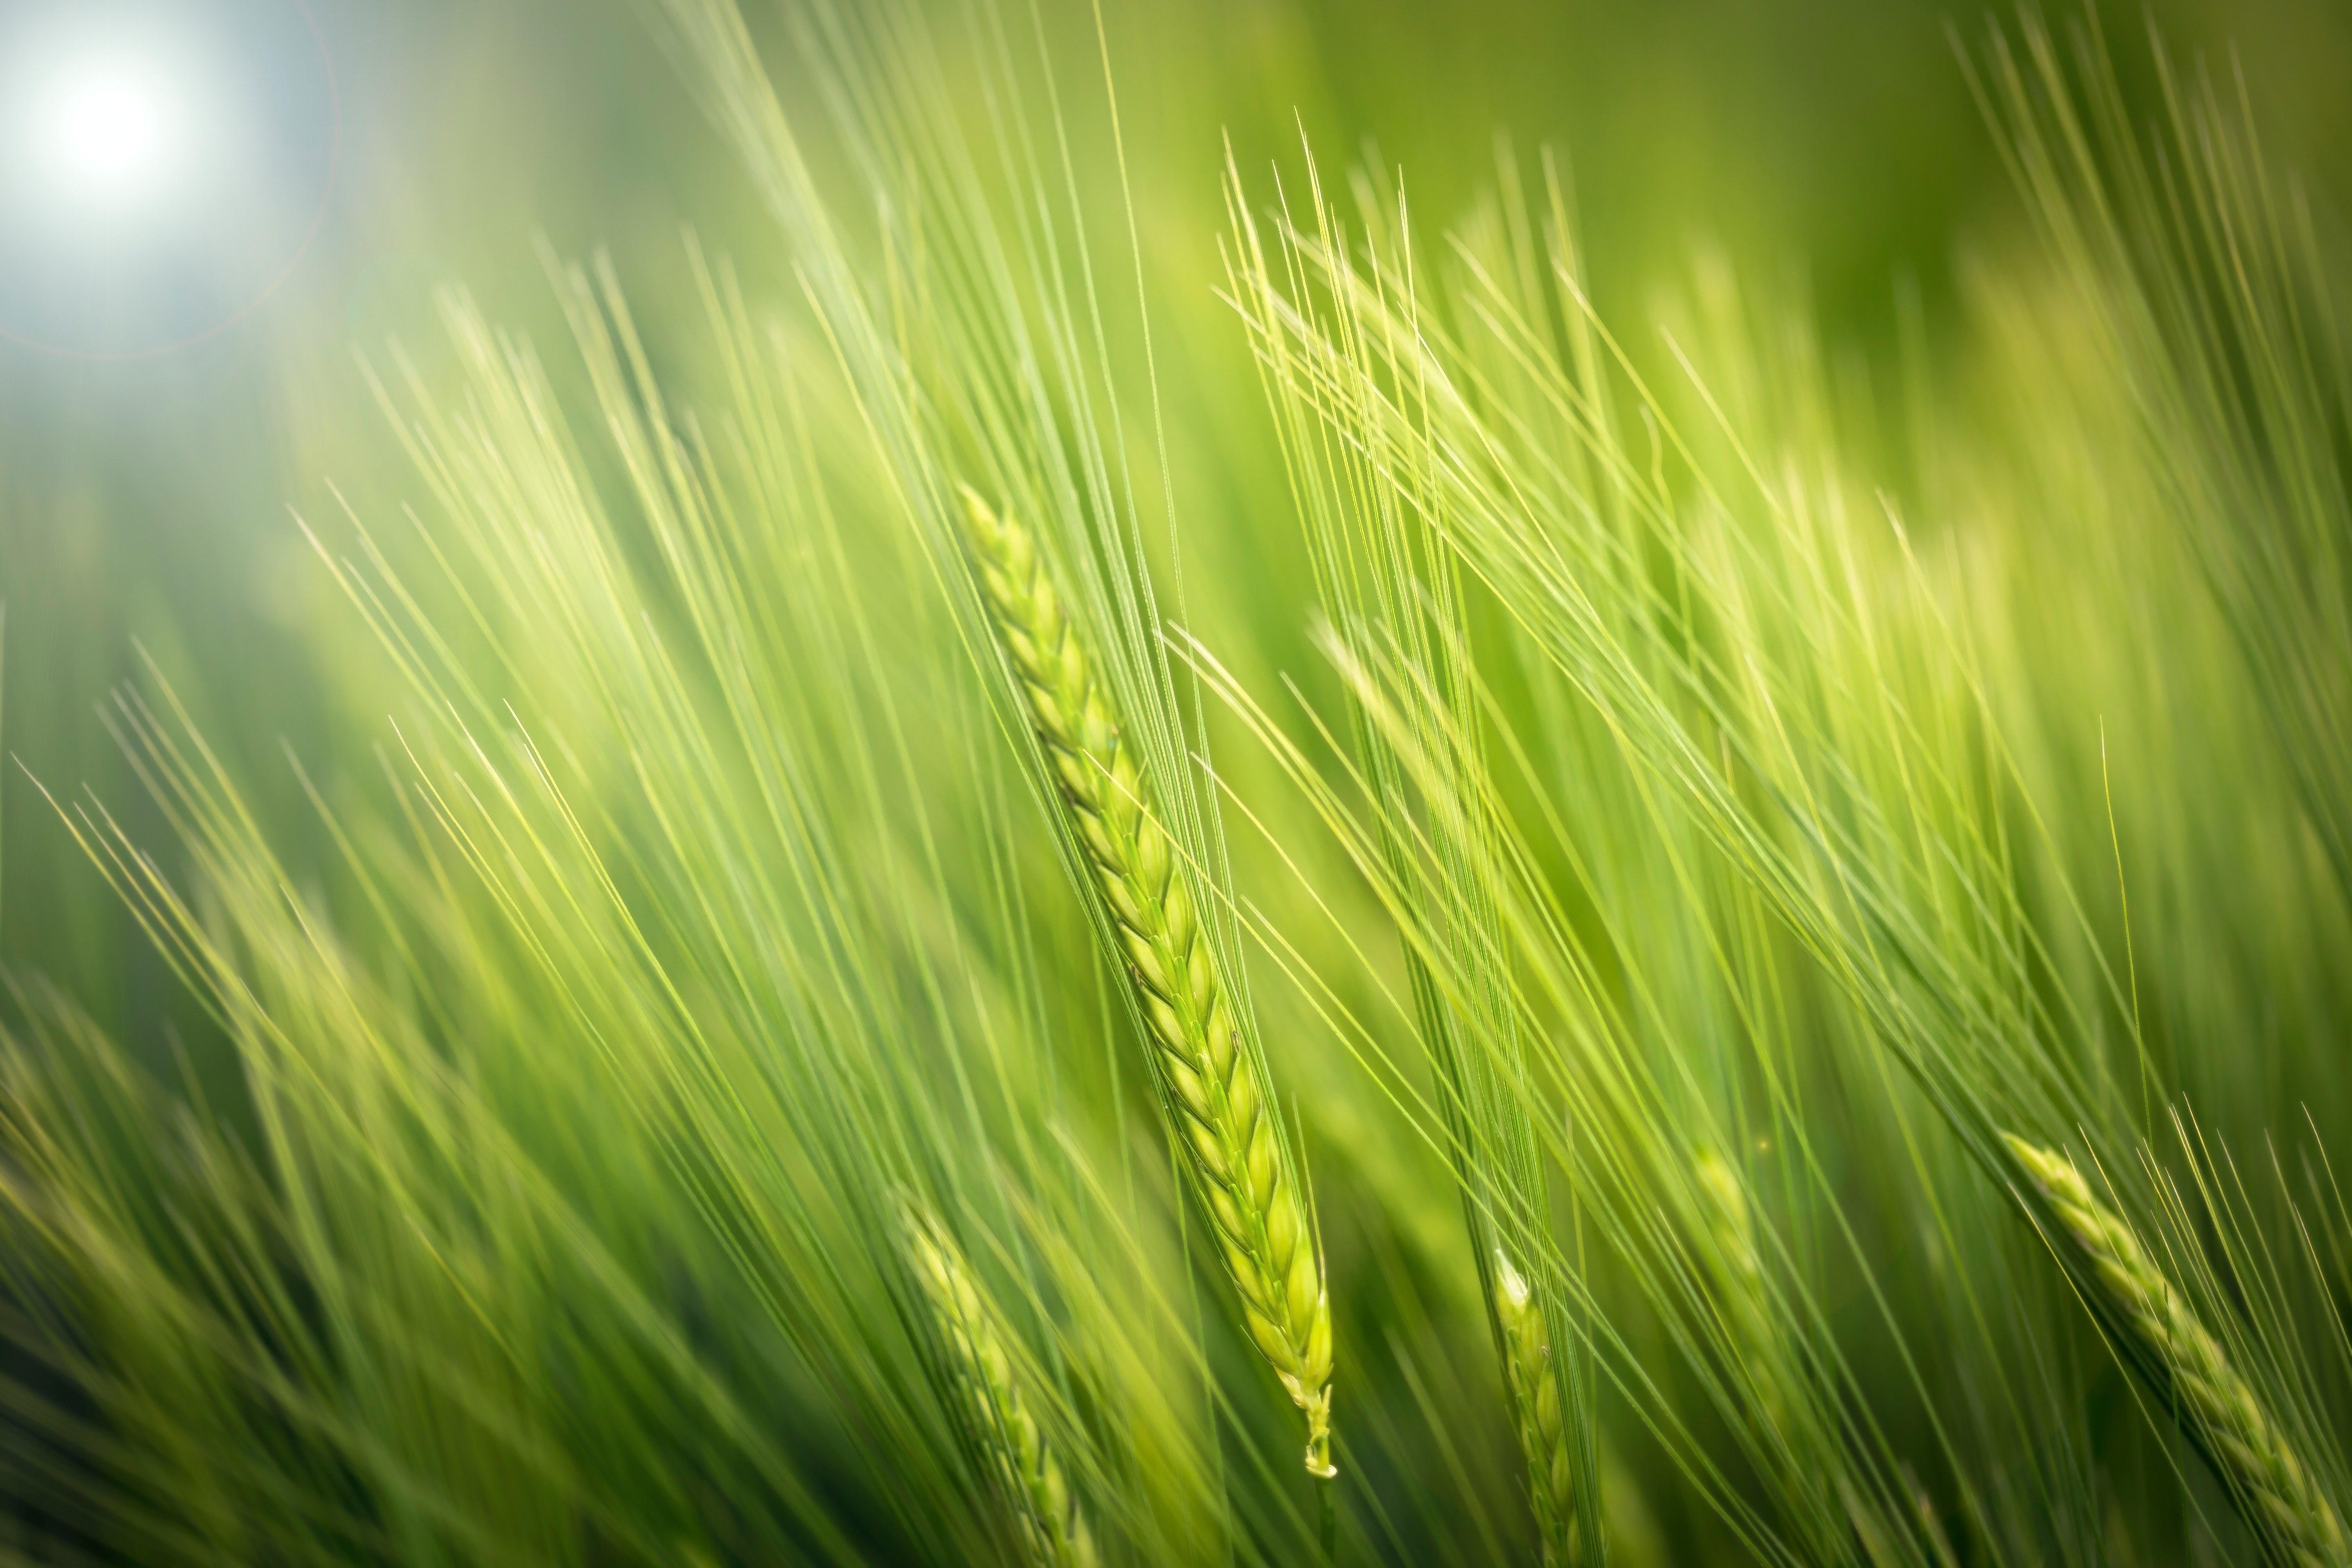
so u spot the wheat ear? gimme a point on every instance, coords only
(2272, 1486)
(1740, 1293)
(975, 1334)
(1535, 1401)
(1219, 1113)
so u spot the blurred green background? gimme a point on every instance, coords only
(1832, 143)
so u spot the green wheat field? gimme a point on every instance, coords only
(1075, 783)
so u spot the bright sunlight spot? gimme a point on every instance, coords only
(163, 164)
(109, 132)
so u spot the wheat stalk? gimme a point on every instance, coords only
(2272, 1486)
(1219, 1109)
(1535, 1401)
(975, 1333)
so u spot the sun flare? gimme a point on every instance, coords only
(107, 131)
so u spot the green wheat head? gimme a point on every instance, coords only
(1740, 1292)
(975, 1334)
(2275, 1488)
(1221, 1117)
(1535, 1402)
(566, 1130)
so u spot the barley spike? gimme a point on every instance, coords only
(2272, 1486)
(1222, 1116)
(1052, 1526)
(1535, 1402)
(1741, 1289)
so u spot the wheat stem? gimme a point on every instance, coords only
(1051, 1525)
(1220, 1115)
(2272, 1486)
